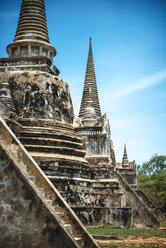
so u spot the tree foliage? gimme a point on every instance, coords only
(152, 177)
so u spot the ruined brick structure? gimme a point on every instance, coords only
(123, 202)
(76, 155)
(127, 169)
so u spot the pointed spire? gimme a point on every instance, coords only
(90, 85)
(32, 21)
(125, 152)
(31, 38)
(125, 161)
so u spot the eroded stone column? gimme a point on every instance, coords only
(40, 51)
(18, 51)
(29, 50)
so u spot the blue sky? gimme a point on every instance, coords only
(129, 48)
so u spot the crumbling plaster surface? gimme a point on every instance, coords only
(25, 221)
(88, 193)
(95, 202)
(96, 137)
(115, 217)
(128, 174)
(40, 95)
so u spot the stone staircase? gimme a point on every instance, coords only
(148, 217)
(150, 204)
(145, 198)
(56, 205)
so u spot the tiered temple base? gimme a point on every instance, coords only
(54, 146)
(60, 155)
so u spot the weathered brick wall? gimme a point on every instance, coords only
(94, 202)
(40, 96)
(115, 217)
(24, 219)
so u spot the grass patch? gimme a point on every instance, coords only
(112, 246)
(130, 238)
(150, 245)
(163, 223)
(122, 232)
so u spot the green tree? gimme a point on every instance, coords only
(152, 177)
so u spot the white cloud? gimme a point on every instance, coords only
(139, 85)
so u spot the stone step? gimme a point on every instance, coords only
(49, 202)
(69, 228)
(50, 142)
(42, 191)
(45, 134)
(57, 208)
(59, 211)
(60, 215)
(33, 178)
(79, 241)
(56, 150)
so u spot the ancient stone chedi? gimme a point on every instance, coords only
(94, 129)
(78, 159)
(31, 42)
(115, 199)
(36, 105)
